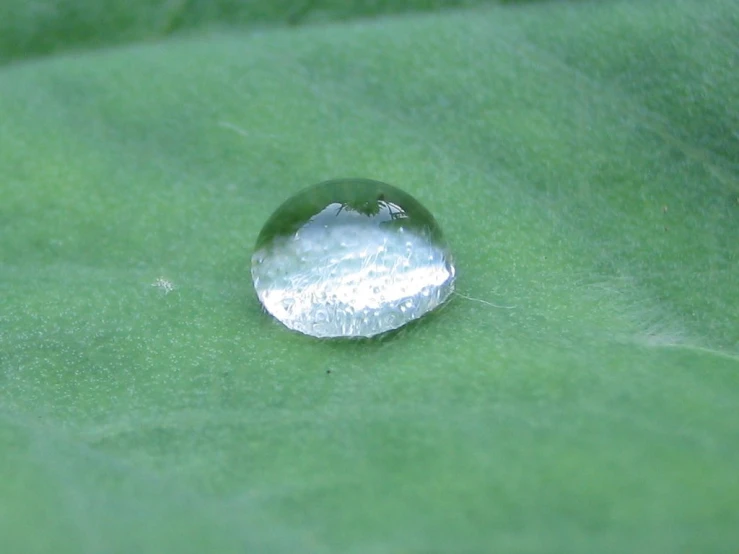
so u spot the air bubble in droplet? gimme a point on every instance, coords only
(311, 256)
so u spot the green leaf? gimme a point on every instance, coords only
(580, 394)
(47, 26)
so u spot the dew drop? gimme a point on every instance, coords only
(311, 255)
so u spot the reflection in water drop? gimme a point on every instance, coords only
(351, 258)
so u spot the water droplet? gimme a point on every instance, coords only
(351, 258)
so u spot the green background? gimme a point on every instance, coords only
(581, 393)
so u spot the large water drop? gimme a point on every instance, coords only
(351, 258)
